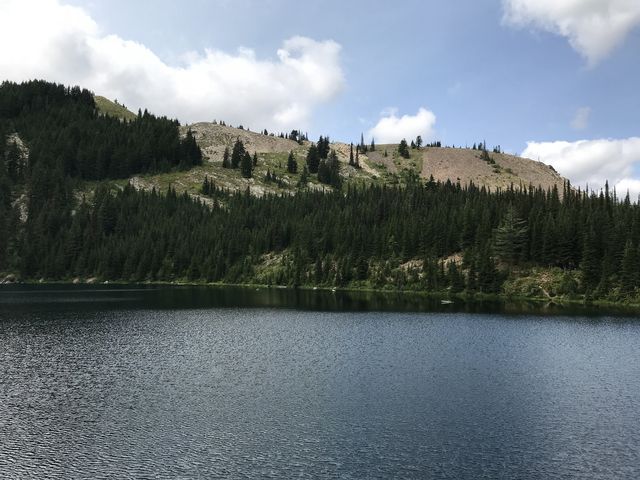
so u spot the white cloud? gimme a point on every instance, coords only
(391, 128)
(581, 118)
(593, 27)
(630, 185)
(592, 162)
(46, 39)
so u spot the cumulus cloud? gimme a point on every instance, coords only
(391, 128)
(593, 27)
(50, 40)
(592, 162)
(631, 186)
(581, 118)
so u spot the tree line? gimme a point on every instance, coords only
(376, 236)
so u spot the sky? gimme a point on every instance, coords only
(553, 80)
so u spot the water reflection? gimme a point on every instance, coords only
(185, 297)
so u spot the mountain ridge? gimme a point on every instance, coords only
(383, 165)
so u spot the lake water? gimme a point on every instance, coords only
(209, 383)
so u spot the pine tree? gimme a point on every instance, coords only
(455, 278)
(304, 177)
(403, 149)
(323, 147)
(418, 142)
(351, 159)
(329, 170)
(205, 189)
(255, 159)
(246, 165)
(226, 158)
(590, 265)
(313, 159)
(630, 272)
(238, 154)
(510, 237)
(489, 280)
(292, 164)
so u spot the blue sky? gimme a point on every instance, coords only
(481, 78)
(561, 74)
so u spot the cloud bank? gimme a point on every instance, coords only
(593, 27)
(391, 128)
(593, 161)
(49, 40)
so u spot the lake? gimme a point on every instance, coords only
(125, 382)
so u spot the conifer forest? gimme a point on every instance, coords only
(423, 235)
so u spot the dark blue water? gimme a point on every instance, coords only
(133, 384)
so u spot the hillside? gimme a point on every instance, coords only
(465, 165)
(382, 166)
(113, 109)
(77, 202)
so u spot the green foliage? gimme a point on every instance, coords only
(313, 159)
(64, 132)
(210, 189)
(487, 158)
(226, 158)
(403, 149)
(358, 236)
(329, 170)
(304, 177)
(246, 165)
(238, 153)
(292, 164)
(323, 147)
(510, 237)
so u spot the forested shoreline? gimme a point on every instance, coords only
(429, 236)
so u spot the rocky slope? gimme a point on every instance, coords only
(381, 166)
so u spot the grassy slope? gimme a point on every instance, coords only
(376, 168)
(107, 107)
(462, 165)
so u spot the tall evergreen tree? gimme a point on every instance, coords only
(630, 271)
(292, 164)
(329, 170)
(237, 154)
(510, 237)
(226, 158)
(313, 159)
(246, 165)
(403, 149)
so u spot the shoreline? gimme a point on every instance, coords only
(443, 296)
